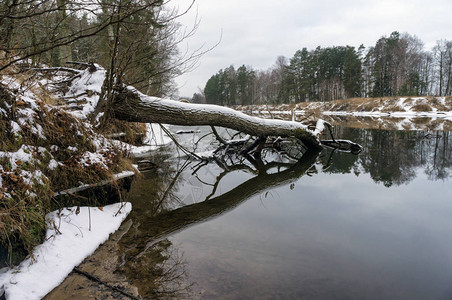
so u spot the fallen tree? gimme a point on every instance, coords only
(130, 105)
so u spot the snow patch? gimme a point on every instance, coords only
(15, 128)
(24, 154)
(70, 237)
(90, 158)
(89, 85)
(53, 164)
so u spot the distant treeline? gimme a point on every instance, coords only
(397, 65)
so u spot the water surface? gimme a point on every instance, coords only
(330, 226)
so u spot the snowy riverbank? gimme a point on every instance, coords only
(73, 234)
(392, 113)
(50, 148)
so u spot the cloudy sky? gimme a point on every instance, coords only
(256, 32)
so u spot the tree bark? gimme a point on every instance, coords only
(130, 105)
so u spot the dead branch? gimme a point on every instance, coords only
(57, 69)
(95, 279)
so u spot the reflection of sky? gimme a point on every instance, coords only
(338, 235)
(332, 234)
(198, 186)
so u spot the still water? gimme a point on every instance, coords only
(377, 225)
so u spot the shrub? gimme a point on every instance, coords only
(421, 107)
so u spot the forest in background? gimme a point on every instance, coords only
(136, 41)
(396, 65)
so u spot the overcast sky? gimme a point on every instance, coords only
(256, 32)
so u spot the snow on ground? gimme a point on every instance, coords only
(407, 109)
(401, 112)
(155, 138)
(71, 236)
(87, 86)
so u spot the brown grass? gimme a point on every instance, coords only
(22, 205)
(134, 132)
(448, 101)
(388, 104)
(439, 106)
(421, 107)
(421, 121)
(393, 108)
(366, 106)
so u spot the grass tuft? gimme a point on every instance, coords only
(421, 107)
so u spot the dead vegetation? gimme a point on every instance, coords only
(129, 132)
(383, 104)
(351, 112)
(44, 150)
(421, 107)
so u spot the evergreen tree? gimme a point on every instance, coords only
(212, 90)
(245, 85)
(395, 65)
(352, 73)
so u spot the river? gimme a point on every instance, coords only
(332, 225)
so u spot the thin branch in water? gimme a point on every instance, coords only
(95, 279)
(186, 151)
(217, 136)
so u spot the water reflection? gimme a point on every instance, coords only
(145, 246)
(395, 157)
(277, 227)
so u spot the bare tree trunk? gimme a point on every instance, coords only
(133, 106)
(65, 51)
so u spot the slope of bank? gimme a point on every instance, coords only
(48, 151)
(44, 149)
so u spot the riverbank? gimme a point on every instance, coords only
(49, 152)
(392, 113)
(73, 234)
(45, 149)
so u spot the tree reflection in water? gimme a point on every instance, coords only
(151, 262)
(396, 157)
(162, 207)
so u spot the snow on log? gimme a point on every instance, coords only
(131, 105)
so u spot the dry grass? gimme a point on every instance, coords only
(44, 95)
(448, 102)
(421, 107)
(23, 205)
(439, 105)
(421, 121)
(367, 106)
(393, 108)
(134, 132)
